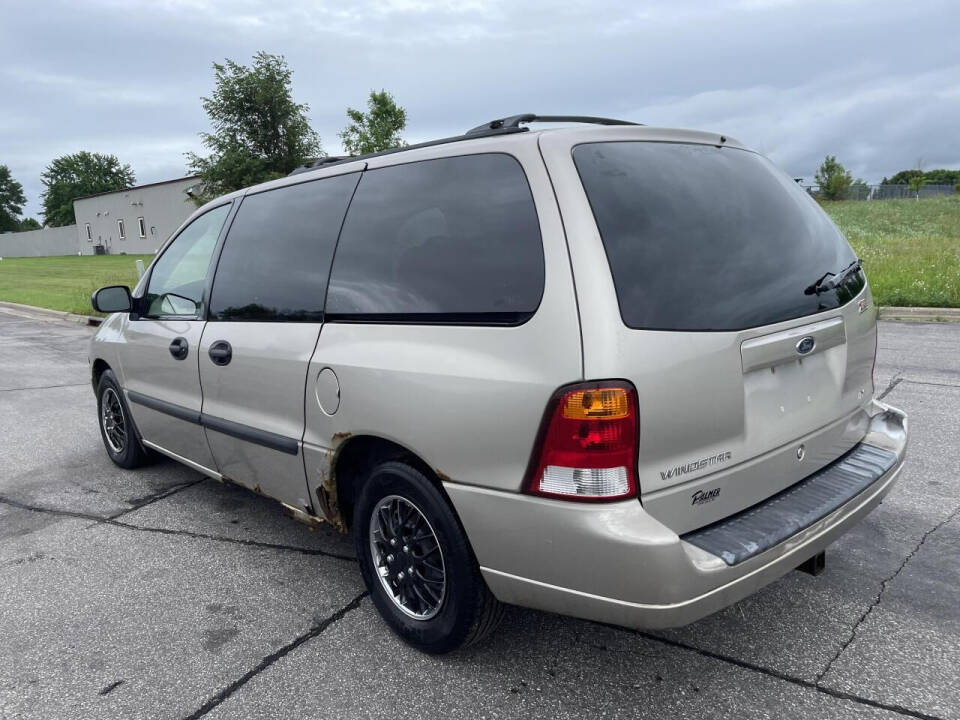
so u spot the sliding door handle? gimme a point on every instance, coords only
(221, 353)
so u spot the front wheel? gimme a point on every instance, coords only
(116, 426)
(417, 563)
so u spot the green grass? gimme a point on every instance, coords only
(65, 282)
(910, 248)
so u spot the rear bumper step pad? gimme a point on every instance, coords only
(758, 528)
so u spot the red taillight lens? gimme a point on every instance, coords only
(587, 448)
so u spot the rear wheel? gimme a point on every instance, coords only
(418, 564)
(116, 426)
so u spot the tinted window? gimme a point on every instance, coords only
(276, 258)
(449, 240)
(179, 275)
(707, 238)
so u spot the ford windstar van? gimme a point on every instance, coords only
(612, 371)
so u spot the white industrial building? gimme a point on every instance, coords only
(135, 220)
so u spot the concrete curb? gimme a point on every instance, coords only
(920, 314)
(33, 311)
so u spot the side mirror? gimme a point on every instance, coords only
(112, 299)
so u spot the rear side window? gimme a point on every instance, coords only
(707, 238)
(276, 258)
(454, 240)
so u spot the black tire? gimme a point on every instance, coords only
(126, 452)
(467, 611)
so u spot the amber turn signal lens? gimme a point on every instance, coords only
(601, 403)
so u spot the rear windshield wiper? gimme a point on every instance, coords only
(824, 285)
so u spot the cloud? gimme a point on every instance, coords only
(877, 84)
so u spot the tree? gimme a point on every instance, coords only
(834, 179)
(942, 177)
(84, 173)
(939, 176)
(29, 223)
(12, 201)
(902, 177)
(259, 132)
(377, 129)
(915, 183)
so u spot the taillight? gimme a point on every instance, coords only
(587, 447)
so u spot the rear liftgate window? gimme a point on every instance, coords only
(707, 238)
(276, 257)
(454, 240)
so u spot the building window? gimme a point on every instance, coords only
(141, 227)
(121, 230)
(89, 234)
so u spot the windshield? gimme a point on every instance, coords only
(706, 238)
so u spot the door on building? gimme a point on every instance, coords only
(266, 312)
(160, 358)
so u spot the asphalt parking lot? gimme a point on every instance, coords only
(161, 594)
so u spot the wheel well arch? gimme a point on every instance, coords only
(361, 453)
(100, 366)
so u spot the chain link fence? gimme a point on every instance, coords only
(859, 191)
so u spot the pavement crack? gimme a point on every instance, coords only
(879, 596)
(50, 511)
(43, 387)
(225, 539)
(273, 657)
(934, 384)
(778, 675)
(100, 520)
(142, 502)
(111, 687)
(894, 381)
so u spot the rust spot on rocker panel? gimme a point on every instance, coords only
(339, 437)
(327, 489)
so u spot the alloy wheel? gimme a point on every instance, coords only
(407, 557)
(113, 421)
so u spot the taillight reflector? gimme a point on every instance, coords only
(587, 447)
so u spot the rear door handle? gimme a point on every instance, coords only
(220, 353)
(179, 348)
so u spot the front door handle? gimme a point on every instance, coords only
(221, 353)
(179, 348)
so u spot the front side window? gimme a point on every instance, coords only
(710, 238)
(276, 258)
(180, 274)
(454, 240)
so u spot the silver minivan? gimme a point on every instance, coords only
(611, 371)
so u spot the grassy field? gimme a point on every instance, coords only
(910, 249)
(65, 282)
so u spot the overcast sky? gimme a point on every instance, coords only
(876, 83)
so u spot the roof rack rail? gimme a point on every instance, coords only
(483, 132)
(317, 162)
(503, 126)
(514, 121)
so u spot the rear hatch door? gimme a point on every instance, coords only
(749, 374)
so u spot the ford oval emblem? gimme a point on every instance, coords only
(806, 345)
